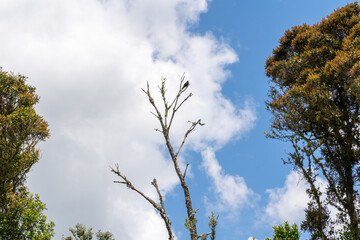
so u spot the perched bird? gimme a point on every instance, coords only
(185, 85)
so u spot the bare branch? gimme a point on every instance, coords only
(158, 114)
(176, 108)
(163, 95)
(185, 169)
(119, 182)
(176, 99)
(154, 114)
(182, 78)
(204, 235)
(163, 212)
(131, 186)
(151, 100)
(154, 183)
(161, 208)
(192, 127)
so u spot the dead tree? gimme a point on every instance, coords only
(166, 119)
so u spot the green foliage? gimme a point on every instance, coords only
(22, 218)
(346, 234)
(212, 225)
(104, 236)
(20, 130)
(190, 223)
(315, 102)
(80, 233)
(286, 232)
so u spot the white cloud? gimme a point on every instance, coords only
(288, 203)
(88, 60)
(232, 191)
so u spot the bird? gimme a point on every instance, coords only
(185, 85)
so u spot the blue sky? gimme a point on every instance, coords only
(89, 60)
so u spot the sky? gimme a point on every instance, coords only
(89, 59)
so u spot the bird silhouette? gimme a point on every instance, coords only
(185, 85)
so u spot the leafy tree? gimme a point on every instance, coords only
(21, 128)
(22, 218)
(286, 232)
(346, 234)
(314, 99)
(166, 119)
(104, 236)
(80, 233)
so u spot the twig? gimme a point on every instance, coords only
(176, 99)
(192, 127)
(185, 169)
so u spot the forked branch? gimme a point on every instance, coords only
(192, 127)
(160, 208)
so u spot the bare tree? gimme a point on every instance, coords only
(166, 119)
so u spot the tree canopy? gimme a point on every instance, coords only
(314, 99)
(21, 128)
(80, 233)
(22, 218)
(286, 232)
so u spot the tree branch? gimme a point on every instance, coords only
(160, 208)
(192, 127)
(185, 170)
